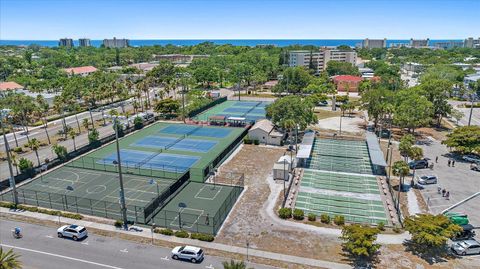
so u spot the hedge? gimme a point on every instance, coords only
(164, 231)
(298, 214)
(312, 217)
(181, 234)
(41, 210)
(285, 213)
(202, 237)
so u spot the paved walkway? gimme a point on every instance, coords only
(413, 207)
(210, 245)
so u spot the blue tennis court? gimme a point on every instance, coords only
(193, 130)
(211, 132)
(195, 145)
(127, 156)
(247, 104)
(158, 142)
(171, 162)
(180, 129)
(235, 109)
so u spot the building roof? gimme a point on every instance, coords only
(264, 125)
(347, 78)
(376, 154)
(474, 77)
(10, 85)
(144, 66)
(80, 70)
(306, 146)
(271, 83)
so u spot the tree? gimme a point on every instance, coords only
(430, 233)
(406, 143)
(294, 81)
(167, 106)
(465, 139)
(60, 150)
(341, 68)
(72, 135)
(9, 260)
(34, 144)
(412, 110)
(377, 102)
(401, 170)
(25, 165)
(93, 137)
(13, 158)
(234, 265)
(359, 240)
(86, 124)
(138, 123)
(437, 91)
(42, 111)
(291, 108)
(456, 114)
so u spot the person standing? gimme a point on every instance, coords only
(436, 159)
(449, 162)
(443, 192)
(447, 195)
(453, 163)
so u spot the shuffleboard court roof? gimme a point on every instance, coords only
(306, 146)
(376, 154)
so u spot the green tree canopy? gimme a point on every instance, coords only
(341, 68)
(412, 110)
(359, 240)
(465, 139)
(294, 81)
(291, 109)
(167, 106)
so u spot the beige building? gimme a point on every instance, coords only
(419, 43)
(282, 167)
(84, 42)
(321, 58)
(265, 133)
(374, 43)
(472, 42)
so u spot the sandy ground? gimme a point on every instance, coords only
(349, 124)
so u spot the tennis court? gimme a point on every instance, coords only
(338, 180)
(93, 192)
(183, 144)
(205, 207)
(250, 110)
(194, 130)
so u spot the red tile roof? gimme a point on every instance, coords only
(10, 85)
(80, 70)
(347, 78)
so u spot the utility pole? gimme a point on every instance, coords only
(3, 115)
(122, 191)
(471, 109)
(238, 86)
(183, 99)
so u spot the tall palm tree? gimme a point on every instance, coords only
(14, 160)
(41, 109)
(86, 124)
(72, 135)
(34, 144)
(75, 108)
(12, 129)
(401, 170)
(58, 106)
(9, 260)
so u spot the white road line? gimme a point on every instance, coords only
(124, 250)
(48, 236)
(210, 267)
(165, 259)
(85, 243)
(63, 257)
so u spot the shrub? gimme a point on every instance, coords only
(18, 150)
(397, 230)
(381, 226)
(285, 213)
(256, 142)
(138, 123)
(312, 217)
(42, 210)
(164, 231)
(25, 165)
(202, 237)
(7, 204)
(181, 234)
(324, 218)
(339, 220)
(247, 140)
(60, 150)
(118, 223)
(93, 137)
(298, 214)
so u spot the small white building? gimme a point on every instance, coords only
(265, 133)
(282, 167)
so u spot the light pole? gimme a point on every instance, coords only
(180, 206)
(154, 226)
(471, 109)
(122, 191)
(3, 115)
(153, 181)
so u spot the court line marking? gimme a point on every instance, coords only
(174, 222)
(62, 256)
(197, 196)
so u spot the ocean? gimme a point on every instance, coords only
(236, 42)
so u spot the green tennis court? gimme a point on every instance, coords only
(250, 110)
(206, 207)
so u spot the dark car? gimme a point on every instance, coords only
(466, 233)
(323, 103)
(420, 164)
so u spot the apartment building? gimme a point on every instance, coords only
(472, 42)
(419, 43)
(449, 44)
(116, 43)
(84, 42)
(65, 42)
(374, 43)
(320, 58)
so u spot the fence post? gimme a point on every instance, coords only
(76, 202)
(50, 200)
(105, 206)
(91, 207)
(36, 197)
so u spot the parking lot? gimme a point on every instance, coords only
(459, 180)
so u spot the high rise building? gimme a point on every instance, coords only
(320, 58)
(116, 43)
(419, 43)
(84, 42)
(65, 42)
(374, 43)
(448, 44)
(472, 43)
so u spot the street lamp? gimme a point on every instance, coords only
(3, 115)
(180, 206)
(153, 181)
(183, 77)
(119, 163)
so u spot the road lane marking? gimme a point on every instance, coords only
(124, 250)
(165, 259)
(61, 256)
(210, 267)
(48, 236)
(85, 243)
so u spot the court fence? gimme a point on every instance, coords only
(178, 220)
(81, 205)
(128, 167)
(195, 112)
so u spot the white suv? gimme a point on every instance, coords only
(72, 231)
(192, 254)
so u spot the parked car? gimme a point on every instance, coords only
(193, 254)
(466, 247)
(74, 232)
(471, 158)
(475, 167)
(323, 103)
(466, 233)
(430, 179)
(420, 164)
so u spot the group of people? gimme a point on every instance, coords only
(444, 193)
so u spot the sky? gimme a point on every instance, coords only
(239, 19)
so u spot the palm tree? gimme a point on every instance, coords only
(9, 260)
(13, 132)
(400, 169)
(58, 105)
(86, 124)
(14, 160)
(72, 135)
(75, 107)
(234, 265)
(42, 110)
(142, 86)
(34, 144)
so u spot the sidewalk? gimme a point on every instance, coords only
(146, 233)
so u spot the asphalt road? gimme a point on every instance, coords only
(40, 248)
